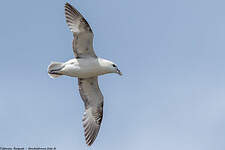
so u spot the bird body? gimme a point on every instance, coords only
(82, 68)
(86, 66)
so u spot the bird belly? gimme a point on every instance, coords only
(71, 70)
(81, 69)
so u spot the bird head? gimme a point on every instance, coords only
(115, 69)
(110, 67)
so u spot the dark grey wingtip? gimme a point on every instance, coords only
(67, 4)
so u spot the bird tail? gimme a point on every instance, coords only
(54, 69)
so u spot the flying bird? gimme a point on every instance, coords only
(86, 66)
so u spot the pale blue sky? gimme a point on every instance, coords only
(172, 55)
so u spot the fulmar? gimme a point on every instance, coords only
(86, 66)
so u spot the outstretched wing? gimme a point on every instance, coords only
(93, 101)
(83, 35)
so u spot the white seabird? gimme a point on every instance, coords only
(86, 66)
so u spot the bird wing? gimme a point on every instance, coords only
(93, 100)
(83, 35)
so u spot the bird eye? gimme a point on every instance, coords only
(114, 65)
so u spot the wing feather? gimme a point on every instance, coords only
(83, 35)
(93, 101)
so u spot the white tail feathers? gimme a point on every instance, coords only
(54, 69)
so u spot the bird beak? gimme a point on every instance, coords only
(119, 72)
